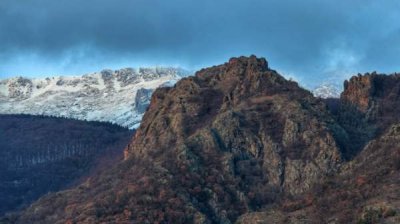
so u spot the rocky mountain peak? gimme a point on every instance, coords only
(359, 90)
(252, 61)
(374, 95)
(239, 112)
(370, 104)
(365, 90)
(235, 67)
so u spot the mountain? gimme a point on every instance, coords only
(326, 91)
(366, 190)
(46, 154)
(238, 143)
(369, 105)
(108, 95)
(231, 139)
(366, 187)
(375, 97)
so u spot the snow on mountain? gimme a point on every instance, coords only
(119, 96)
(327, 90)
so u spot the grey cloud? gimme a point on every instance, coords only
(314, 39)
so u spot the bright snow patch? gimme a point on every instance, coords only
(103, 96)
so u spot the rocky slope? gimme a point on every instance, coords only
(366, 188)
(43, 154)
(104, 96)
(365, 191)
(249, 112)
(239, 143)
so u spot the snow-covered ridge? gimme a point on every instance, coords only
(109, 95)
(327, 90)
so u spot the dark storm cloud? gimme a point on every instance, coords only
(312, 40)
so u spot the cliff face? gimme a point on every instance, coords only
(376, 96)
(358, 91)
(370, 104)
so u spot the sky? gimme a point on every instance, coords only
(311, 41)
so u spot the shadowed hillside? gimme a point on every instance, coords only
(42, 154)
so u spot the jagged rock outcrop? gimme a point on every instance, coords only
(377, 96)
(231, 139)
(370, 104)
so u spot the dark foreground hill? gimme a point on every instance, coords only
(239, 143)
(46, 154)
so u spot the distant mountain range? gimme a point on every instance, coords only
(119, 96)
